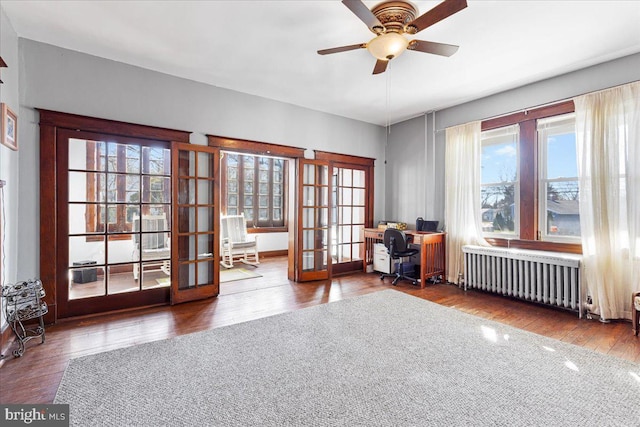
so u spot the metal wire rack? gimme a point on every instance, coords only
(23, 302)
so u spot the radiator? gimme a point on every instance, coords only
(544, 277)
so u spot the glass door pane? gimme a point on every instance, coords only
(119, 225)
(116, 222)
(349, 195)
(313, 240)
(196, 221)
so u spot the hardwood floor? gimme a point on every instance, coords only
(34, 378)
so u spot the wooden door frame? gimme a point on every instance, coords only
(299, 274)
(354, 162)
(258, 148)
(50, 241)
(199, 291)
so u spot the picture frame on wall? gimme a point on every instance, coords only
(8, 127)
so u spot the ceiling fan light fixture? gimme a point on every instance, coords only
(387, 46)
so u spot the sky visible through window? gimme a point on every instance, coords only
(499, 161)
(561, 156)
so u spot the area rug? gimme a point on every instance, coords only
(236, 273)
(164, 281)
(384, 359)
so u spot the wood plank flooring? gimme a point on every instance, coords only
(34, 378)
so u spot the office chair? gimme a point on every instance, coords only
(398, 248)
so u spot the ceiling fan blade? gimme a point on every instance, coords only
(437, 14)
(342, 49)
(365, 15)
(433, 47)
(381, 66)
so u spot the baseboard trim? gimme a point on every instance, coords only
(269, 254)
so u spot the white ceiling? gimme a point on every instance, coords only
(268, 48)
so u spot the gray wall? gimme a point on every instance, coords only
(411, 184)
(59, 79)
(416, 139)
(405, 155)
(9, 158)
(413, 165)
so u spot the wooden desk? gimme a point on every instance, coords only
(432, 251)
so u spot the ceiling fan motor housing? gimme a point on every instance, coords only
(395, 15)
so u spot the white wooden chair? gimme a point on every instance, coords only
(235, 242)
(155, 246)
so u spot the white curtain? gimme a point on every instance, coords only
(608, 148)
(462, 205)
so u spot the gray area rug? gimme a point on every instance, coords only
(386, 359)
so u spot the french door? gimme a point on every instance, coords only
(195, 268)
(334, 203)
(129, 218)
(313, 233)
(113, 222)
(349, 215)
(139, 220)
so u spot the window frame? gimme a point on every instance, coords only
(256, 148)
(543, 181)
(528, 169)
(93, 158)
(252, 223)
(516, 189)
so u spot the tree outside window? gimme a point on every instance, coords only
(529, 175)
(499, 191)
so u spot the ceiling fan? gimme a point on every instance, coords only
(389, 20)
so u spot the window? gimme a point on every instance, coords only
(500, 181)
(120, 170)
(529, 180)
(255, 186)
(559, 214)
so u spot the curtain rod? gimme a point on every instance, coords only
(547, 104)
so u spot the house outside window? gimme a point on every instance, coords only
(539, 145)
(559, 211)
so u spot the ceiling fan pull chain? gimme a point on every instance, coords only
(388, 101)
